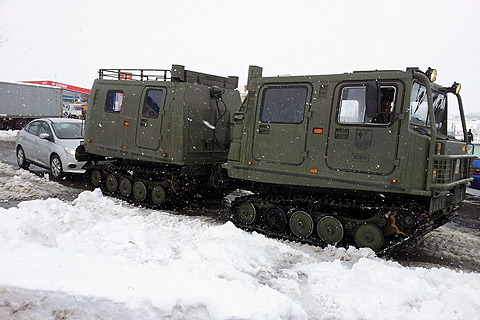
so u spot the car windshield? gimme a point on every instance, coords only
(68, 130)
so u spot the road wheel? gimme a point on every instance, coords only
(246, 213)
(369, 235)
(139, 191)
(56, 167)
(96, 178)
(330, 229)
(22, 162)
(158, 195)
(276, 219)
(111, 183)
(125, 187)
(301, 224)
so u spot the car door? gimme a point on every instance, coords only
(29, 141)
(45, 146)
(281, 123)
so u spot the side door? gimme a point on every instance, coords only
(360, 140)
(281, 123)
(29, 143)
(45, 146)
(150, 117)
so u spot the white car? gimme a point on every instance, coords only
(50, 143)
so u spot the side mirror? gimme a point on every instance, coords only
(45, 136)
(372, 98)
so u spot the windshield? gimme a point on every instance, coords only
(68, 130)
(476, 150)
(419, 108)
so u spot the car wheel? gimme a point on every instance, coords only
(21, 160)
(56, 167)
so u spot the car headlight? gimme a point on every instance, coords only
(70, 151)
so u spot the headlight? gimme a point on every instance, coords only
(431, 74)
(456, 87)
(70, 151)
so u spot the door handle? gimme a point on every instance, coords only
(264, 129)
(144, 123)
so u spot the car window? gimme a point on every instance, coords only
(45, 128)
(68, 130)
(33, 128)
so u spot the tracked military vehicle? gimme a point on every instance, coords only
(155, 134)
(360, 158)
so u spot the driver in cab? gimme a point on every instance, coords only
(385, 113)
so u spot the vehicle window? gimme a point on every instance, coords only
(352, 108)
(153, 103)
(33, 128)
(45, 128)
(352, 105)
(68, 130)
(440, 111)
(419, 105)
(114, 101)
(284, 104)
(476, 150)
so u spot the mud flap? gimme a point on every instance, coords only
(459, 194)
(438, 201)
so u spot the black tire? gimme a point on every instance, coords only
(56, 167)
(21, 160)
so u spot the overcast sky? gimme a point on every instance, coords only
(68, 41)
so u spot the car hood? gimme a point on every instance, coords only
(70, 143)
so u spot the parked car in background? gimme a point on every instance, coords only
(476, 167)
(50, 143)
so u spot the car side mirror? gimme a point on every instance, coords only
(372, 98)
(45, 136)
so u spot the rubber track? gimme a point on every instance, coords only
(333, 205)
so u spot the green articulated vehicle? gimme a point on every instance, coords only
(156, 134)
(361, 158)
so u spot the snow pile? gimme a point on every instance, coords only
(98, 257)
(22, 185)
(8, 135)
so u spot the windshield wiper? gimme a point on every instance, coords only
(420, 100)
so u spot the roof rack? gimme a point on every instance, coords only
(135, 74)
(177, 74)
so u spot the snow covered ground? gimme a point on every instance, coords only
(101, 258)
(8, 135)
